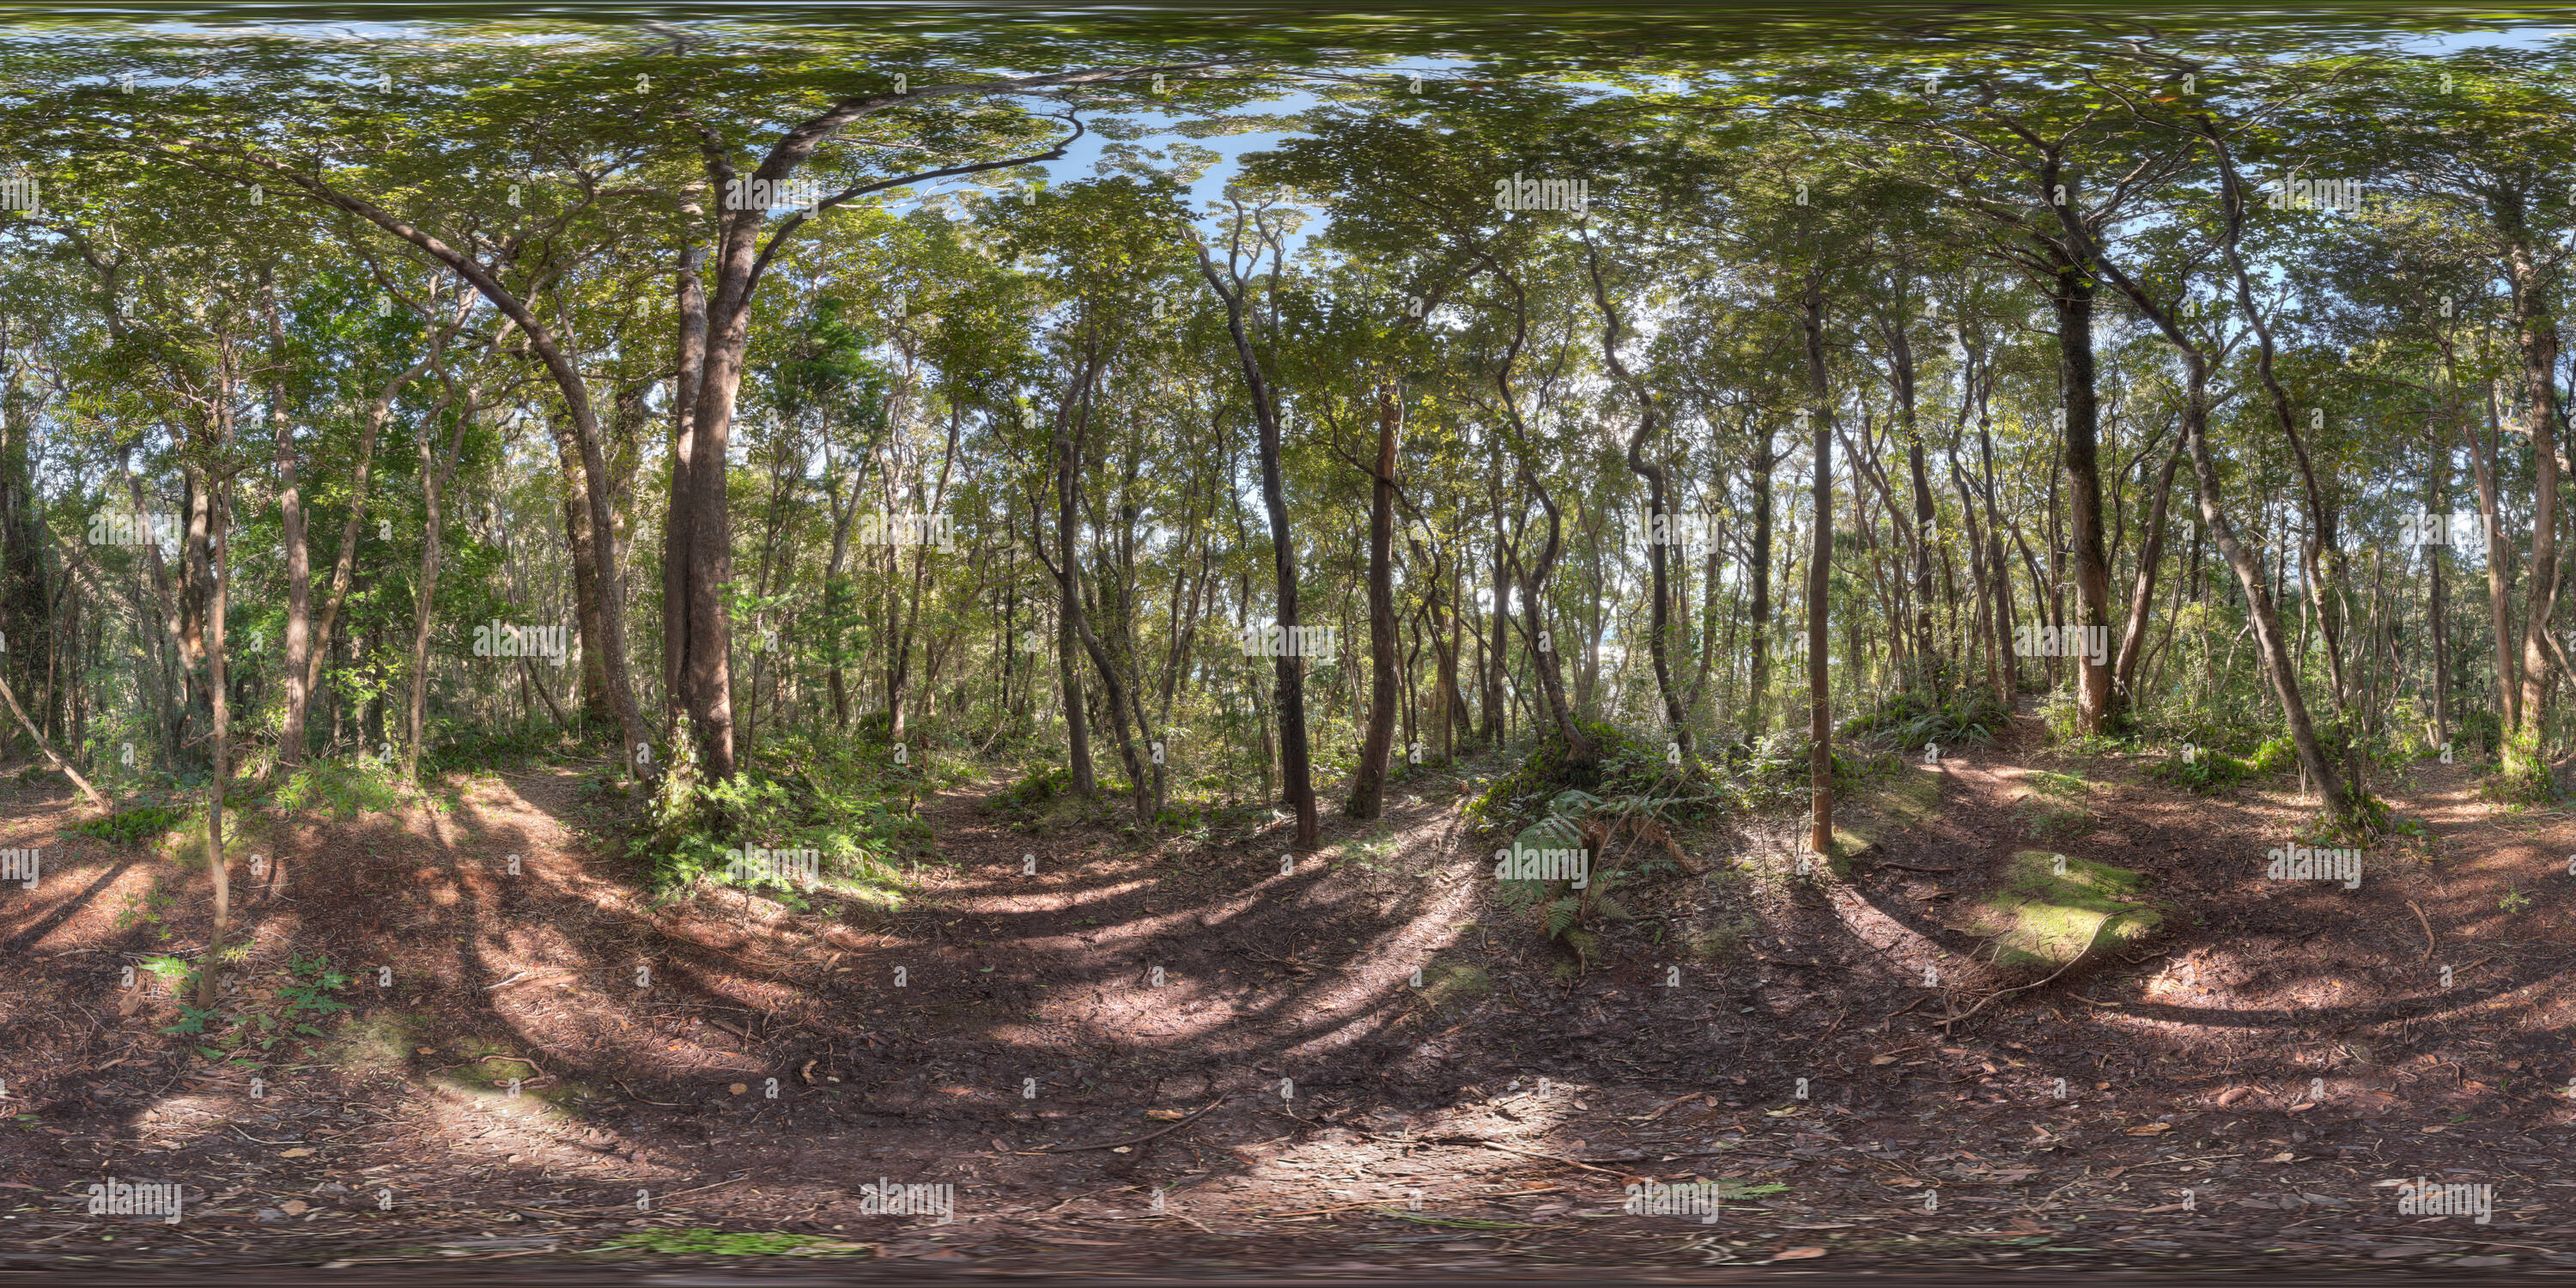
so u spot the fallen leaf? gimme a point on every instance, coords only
(2150, 1129)
(295, 1153)
(429, 1050)
(1088, 1243)
(2300, 1108)
(2284, 1156)
(1882, 1059)
(295, 1207)
(737, 1088)
(2434, 1128)
(1799, 1254)
(1165, 1115)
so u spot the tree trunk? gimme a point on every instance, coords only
(1756, 715)
(1295, 762)
(1580, 753)
(433, 476)
(2096, 704)
(1820, 728)
(220, 734)
(1368, 781)
(2142, 591)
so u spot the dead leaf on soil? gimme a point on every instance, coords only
(295, 1153)
(2150, 1129)
(1800, 1254)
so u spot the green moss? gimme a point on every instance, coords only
(2050, 910)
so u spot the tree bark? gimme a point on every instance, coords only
(1820, 710)
(1368, 781)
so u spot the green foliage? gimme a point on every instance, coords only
(1033, 791)
(851, 806)
(344, 788)
(2481, 733)
(1965, 716)
(2204, 771)
(133, 825)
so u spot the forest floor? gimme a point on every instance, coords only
(1176, 1058)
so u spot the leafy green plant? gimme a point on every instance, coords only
(133, 825)
(1907, 720)
(345, 788)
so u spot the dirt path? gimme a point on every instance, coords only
(2241, 1093)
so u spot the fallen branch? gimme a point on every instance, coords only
(50, 754)
(2428, 931)
(666, 1104)
(2103, 925)
(1135, 1140)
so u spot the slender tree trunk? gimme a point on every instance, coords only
(1580, 753)
(2437, 611)
(434, 475)
(1820, 708)
(1368, 781)
(218, 868)
(1757, 720)
(2142, 591)
(1295, 761)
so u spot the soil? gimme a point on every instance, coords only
(1167, 1057)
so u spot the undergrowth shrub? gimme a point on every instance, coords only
(1907, 720)
(846, 800)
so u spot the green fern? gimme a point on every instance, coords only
(1561, 915)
